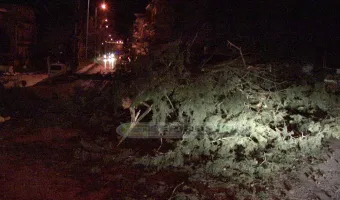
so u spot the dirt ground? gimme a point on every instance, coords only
(41, 158)
(40, 164)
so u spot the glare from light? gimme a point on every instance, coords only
(119, 42)
(112, 60)
(107, 26)
(109, 61)
(103, 6)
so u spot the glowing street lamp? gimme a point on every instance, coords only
(103, 6)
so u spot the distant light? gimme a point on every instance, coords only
(105, 20)
(110, 58)
(103, 6)
(102, 43)
(111, 39)
(110, 35)
(119, 42)
(107, 26)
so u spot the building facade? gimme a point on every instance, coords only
(18, 33)
(152, 27)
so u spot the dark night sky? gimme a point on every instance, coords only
(56, 12)
(314, 16)
(279, 22)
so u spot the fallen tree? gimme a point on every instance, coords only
(241, 124)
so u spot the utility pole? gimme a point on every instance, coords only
(87, 28)
(75, 54)
(96, 31)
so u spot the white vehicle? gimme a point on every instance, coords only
(6, 69)
(57, 69)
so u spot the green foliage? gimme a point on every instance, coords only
(239, 132)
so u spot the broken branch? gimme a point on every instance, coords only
(135, 121)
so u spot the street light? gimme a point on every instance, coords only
(104, 7)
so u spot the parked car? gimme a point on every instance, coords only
(56, 69)
(6, 69)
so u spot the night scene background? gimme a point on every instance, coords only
(169, 99)
(284, 29)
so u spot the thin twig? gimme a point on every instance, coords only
(219, 67)
(138, 113)
(193, 41)
(336, 193)
(132, 114)
(240, 50)
(278, 83)
(145, 104)
(206, 61)
(144, 114)
(132, 125)
(172, 106)
(171, 197)
(265, 159)
(160, 146)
